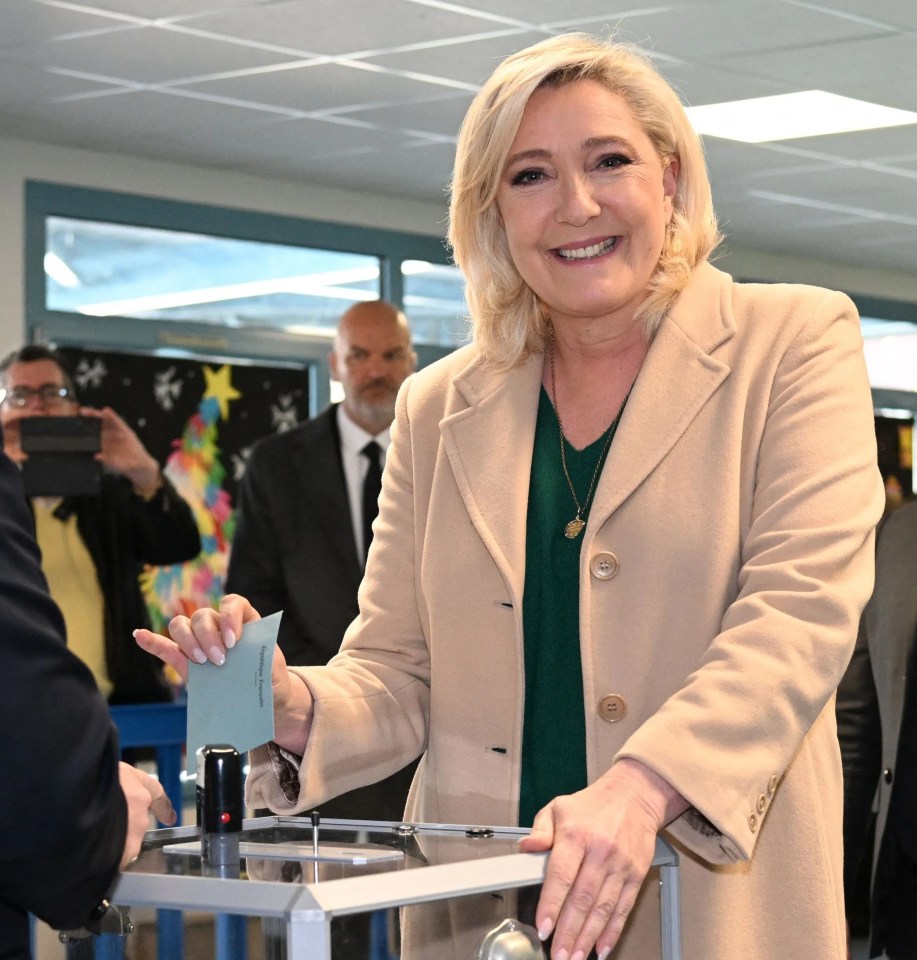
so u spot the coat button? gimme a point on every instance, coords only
(762, 803)
(752, 822)
(772, 783)
(887, 775)
(604, 566)
(612, 708)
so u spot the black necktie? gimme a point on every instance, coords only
(372, 484)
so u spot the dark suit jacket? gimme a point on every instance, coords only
(63, 818)
(871, 696)
(122, 532)
(294, 550)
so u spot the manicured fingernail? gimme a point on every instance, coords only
(200, 656)
(561, 955)
(579, 955)
(229, 638)
(546, 929)
(604, 952)
(217, 656)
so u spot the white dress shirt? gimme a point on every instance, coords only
(353, 440)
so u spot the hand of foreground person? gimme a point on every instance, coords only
(209, 635)
(144, 795)
(602, 841)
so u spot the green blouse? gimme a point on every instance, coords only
(554, 730)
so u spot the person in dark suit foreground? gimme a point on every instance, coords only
(71, 815)
(877, 728)
(301, 527)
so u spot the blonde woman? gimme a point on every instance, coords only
(624, 540)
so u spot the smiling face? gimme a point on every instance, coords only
(584, 199)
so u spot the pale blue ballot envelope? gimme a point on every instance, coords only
(234, 704)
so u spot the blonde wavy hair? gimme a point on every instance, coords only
(509, 321)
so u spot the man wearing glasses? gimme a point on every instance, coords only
(94, 547)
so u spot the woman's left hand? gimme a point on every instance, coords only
(602, 841)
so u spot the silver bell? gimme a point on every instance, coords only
(511, 940)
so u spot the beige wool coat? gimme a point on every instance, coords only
(727, 557)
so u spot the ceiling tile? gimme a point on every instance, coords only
(22, 84)
(471, 61)
(702, 32)
(888, 145)
(442, 115)
(858, 69)
(119, 119)
(317, 26)
(846, 188)
(144, 55)
(535, 12)
(319, 87)
(893, 12)
(159, 9)
(402, 172)
(26, 21)
(699, 84)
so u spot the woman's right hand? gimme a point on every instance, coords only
(208, 635)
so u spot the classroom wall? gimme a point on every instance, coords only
(22, 160)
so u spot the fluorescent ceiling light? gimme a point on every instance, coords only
(810, 113)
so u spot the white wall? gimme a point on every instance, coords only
(21, 160)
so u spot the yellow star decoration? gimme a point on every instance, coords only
(218, 386)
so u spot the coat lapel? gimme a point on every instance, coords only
(489, 440)
(677, 379)
(322, 484)
(489, 446)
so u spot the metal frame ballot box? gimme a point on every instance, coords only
(298, 873)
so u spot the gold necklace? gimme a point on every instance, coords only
(574, 527)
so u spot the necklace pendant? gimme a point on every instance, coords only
(574, 528)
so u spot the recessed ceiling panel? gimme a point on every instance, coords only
(401, 172)
(22, 84)
(879, 70)
(895, 13)
(120, 118)
(699, 84)
(471, 61)
(144, 55)
(704, 32)
(179, 9)
(441, 116)
(321, 26)
(321, 87)
(888, 145)
(25, 21)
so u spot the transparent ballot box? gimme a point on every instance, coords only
(299, 880)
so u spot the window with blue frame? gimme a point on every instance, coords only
(122, 270)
